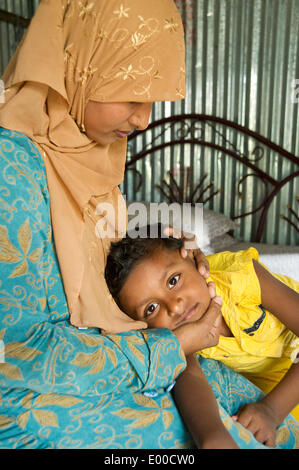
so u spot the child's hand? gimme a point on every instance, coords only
(260, 419)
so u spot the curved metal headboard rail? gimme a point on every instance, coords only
(186, 136)
(225, 122)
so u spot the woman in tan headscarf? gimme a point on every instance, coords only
(84, 76)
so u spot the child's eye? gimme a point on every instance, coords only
(173, 281)
(150, 309)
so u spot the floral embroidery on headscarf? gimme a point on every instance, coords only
(86, 73)
(122, 12)
(124, 33)
(170, 25)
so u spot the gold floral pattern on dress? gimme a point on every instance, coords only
(44, 417)
(96, 360)
(10, 254)
(5, 421)
(19, 351)
(132, 343)
(282, 435)
(144, 417)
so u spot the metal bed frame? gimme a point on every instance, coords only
(212, 132)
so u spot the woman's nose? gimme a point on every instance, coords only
(140, 118)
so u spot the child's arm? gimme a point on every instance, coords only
(279, 299)
(262, 418)
(199, 409)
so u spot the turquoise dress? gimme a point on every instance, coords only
(63, 387)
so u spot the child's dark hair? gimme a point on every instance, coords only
(125, 254)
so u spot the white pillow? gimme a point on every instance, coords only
(224, 242)
(217, 224)
(205, 224)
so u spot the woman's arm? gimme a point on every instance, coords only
(43, 352)
(262, 418)
(199, 409)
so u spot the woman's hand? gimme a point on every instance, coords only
(194, 252)
(202, 333)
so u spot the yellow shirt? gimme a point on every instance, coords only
(261, 348)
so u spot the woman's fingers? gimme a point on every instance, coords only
(211, 289)
(172, 232)
(212, 317)
(188, 238)
(201, 263)
(202, 333)
(190, 249)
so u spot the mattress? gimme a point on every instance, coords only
(279, 259)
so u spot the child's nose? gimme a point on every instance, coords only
(140, 118)
(175, 306)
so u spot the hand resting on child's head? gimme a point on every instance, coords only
(151, 281)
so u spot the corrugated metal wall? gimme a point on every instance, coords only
(12, 32)
(242, 60)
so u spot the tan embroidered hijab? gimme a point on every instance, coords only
(75, 51)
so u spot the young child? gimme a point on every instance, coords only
(256, 335)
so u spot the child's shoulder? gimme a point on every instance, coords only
(235, 277)
(232, 261)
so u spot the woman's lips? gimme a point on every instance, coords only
(121, 134)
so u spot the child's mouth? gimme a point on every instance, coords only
(188, 314)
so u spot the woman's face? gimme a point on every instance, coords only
(106, 122)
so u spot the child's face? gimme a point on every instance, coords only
(165, 290)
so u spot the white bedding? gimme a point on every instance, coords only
(279, 259)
